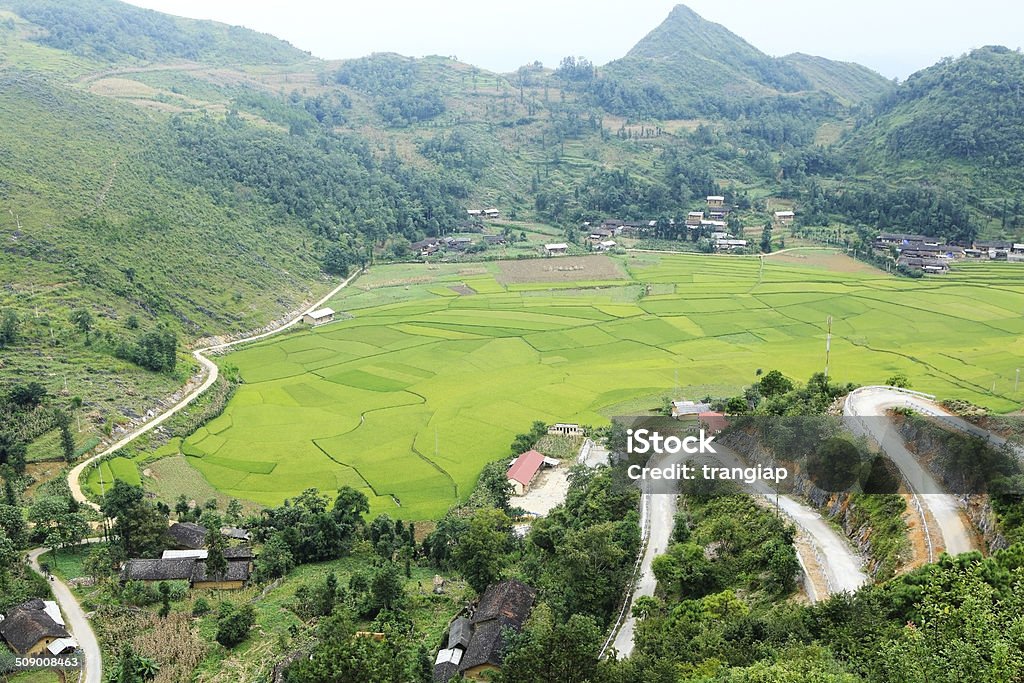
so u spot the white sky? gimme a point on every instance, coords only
(894, 37)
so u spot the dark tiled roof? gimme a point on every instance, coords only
(460, 633)
(27, 624)
(188, 535)
(235, 533)
(511, 599)
(239, 552)
(237, 571)
(176, 569)
(444, 672)
(488, 644)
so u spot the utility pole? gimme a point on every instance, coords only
(828, 345)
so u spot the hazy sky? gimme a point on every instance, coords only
(894, 37)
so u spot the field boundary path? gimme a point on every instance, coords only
(77, 622)
(950, 531)
(211, 371)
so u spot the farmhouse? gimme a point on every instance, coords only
(686, 408)
(605, 245)
(694, 217)
(319, 316)
(713, 422)
(557, 248)
(899, 238)
(426, 247)
(730, 244)
(523, 470)
(494, 239)
(36, 627)
(928, 265)
(715, 202)
(784, 217)
(565, 429)
(475, 645)
(1016, 253)
(191, 569)
(491, 213)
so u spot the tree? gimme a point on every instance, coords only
(482, 551)
(12, 452)
(899, 380)
(386, 589)
(82, 319)
(532, 659)
(67, 441)
(216, 562)
(12, 524)
(233, 512)
(494, 480)
(234, 623)
(139, 527)
(275, 561)
(774, 383)
(8, 328)
(766, 239)
(165, 598)
(132, 667)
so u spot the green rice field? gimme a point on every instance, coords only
(439, 366)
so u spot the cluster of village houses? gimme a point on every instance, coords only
(36, 628)
(601, 238)
(933, 255)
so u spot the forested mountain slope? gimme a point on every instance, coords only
(959, 121)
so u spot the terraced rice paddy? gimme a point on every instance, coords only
(439, 367)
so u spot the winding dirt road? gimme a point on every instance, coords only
(951, 530)
(834, 564)
(77, 621)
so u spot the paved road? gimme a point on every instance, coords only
(954, 532)
(840, 563)
(211, 371)
(77, 624)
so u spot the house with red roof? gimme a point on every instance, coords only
(523, 470)
(713, 422)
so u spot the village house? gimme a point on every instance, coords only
(784, 217)
(191, 568)
(928, 265)
(600, 234)
(1016, 253)
(524, 469)
(694, 218)
(726, 244)
(606, 245)
(715, 201)
(494, 240)
(556, 248)
(319, 316)
(36, 628)
(474, 645)
(491, 214)
(474, 213)
(712, 422)
(426, 247)
(686, 408)
(565, 429)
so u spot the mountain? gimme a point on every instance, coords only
(701, 67)
(958, 122)
(848, 82)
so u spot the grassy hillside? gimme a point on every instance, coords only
(113, 31)
(848, 82)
